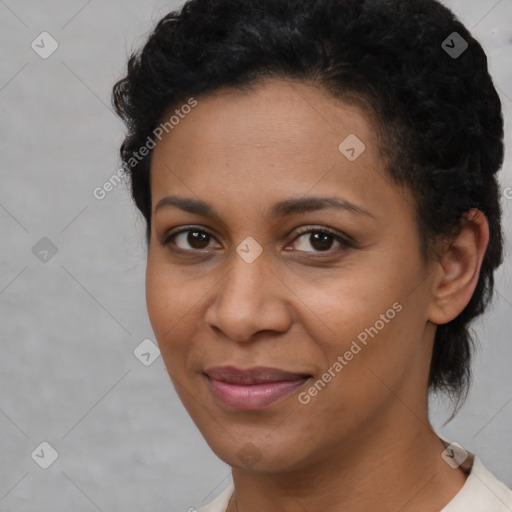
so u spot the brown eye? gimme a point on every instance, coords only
(320, 240)
(189, 239)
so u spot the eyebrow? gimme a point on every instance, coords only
(280, 209)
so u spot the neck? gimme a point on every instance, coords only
(382, 468)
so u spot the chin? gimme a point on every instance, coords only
(258, 454)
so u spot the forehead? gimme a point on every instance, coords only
(278, 114)
(266, 143)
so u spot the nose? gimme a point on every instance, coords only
(249, 299)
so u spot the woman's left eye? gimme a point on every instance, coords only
(320, 239)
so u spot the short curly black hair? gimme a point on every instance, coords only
(436, 111)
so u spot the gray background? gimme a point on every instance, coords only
(69, 325)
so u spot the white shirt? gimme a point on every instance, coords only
(482, 492)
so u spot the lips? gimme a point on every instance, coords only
(252, 388)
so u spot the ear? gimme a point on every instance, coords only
(459, 268)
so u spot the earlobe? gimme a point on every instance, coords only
(459, 268)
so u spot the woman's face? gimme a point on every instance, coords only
(296, 314)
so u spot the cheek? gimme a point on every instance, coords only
(371, 321)
(346, 304)
(364, 367)
(175, 304)
(169, 303)
(158, 300)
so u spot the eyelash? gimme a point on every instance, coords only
(344, 242)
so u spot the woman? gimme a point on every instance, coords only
(318, 180)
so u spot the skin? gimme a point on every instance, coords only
(364, 441)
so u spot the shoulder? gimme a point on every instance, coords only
(219, 504)
(482, 492)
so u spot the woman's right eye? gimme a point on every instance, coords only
(196, 239)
